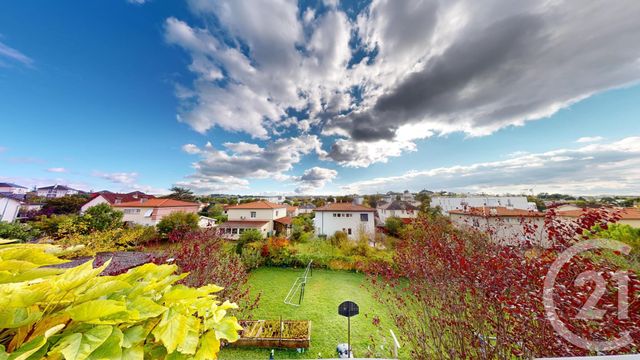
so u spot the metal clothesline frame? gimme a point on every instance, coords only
(298, 286)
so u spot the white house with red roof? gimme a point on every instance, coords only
(346, 217)
(505, 226)
(56, 191)
(149, 212)
(260, 215)
(110, 198)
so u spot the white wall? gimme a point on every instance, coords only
(13, 190)
(9, 209)
(93, 202)
(403, 214)
(460, 203)
(261, 214)
(506, 230)
(327, 224)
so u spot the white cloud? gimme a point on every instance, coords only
(228, 170)
(126, 178)
(314, 179)
(590, 139)
(434, 67)
(593, 169)
(12, 54)
(57, 170)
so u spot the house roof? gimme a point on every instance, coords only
(244, 223)
(307, 206)
(56, 187)
(344, 207)
(284, 220)
(157, 203)
(12, 185)
(124, 198)
(292, 208)
(261, 204)
(625, 213)
(399, 205)
(496, 211)
(12, 196)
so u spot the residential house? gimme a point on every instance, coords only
(9, 207)
(56, 191)
(206, 222)
(306, 208)
(398, 208)
(149, 212)
(628, 216)
(105, 197)
(448, 204)
(293, 211)
(261, 215)
(276, 199)
(348, 218)
(12, 188)
(505, 226)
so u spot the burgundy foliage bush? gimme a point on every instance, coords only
(455, 295)
(202, 254)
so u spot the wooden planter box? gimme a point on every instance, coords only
(274, 334)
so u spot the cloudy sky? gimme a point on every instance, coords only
(314, 97)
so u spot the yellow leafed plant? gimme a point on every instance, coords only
(52, 313)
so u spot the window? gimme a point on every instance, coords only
(131, 211)
(364, 217)
(234, 231)
(339, 215)
(148, 213)
(253, 214)
(276, 212)
(334, 214)
(349, 231)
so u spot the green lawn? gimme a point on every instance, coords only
(325, 290)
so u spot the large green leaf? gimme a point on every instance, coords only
(12, 317)
(79, 346)
(102, 289)
(144, 308)
(133, 336)
(209, 347)
(94, 310)
(28, 349)
(111, 349)
(172, 329)
(228, 329)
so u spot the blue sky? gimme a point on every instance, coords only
(246, 97)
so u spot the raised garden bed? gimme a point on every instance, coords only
(287, 334)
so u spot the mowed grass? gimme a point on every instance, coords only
(325, 290)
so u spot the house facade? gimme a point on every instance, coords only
(113, 199)
(12, 188)
(628, 216)
(348, 218)
(149, 212)
(260, 215)
(56, 191)
(9, 208)
(504, 226)
(398, 208)
(306, 208)
(447, 204)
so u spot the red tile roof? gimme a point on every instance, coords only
(284, 220)
(158, 203)
(291, 208)
(344, 207)
(244, 223)
(625, 213)
(262, 204)
(497, 211)
(123, 198)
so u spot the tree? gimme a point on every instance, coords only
(23, 232)
(102, 217)
(64, 205)
(539, 203)
(180, 193)
(394, 226)
(247, 237)
(216, 211)
(178, 221)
